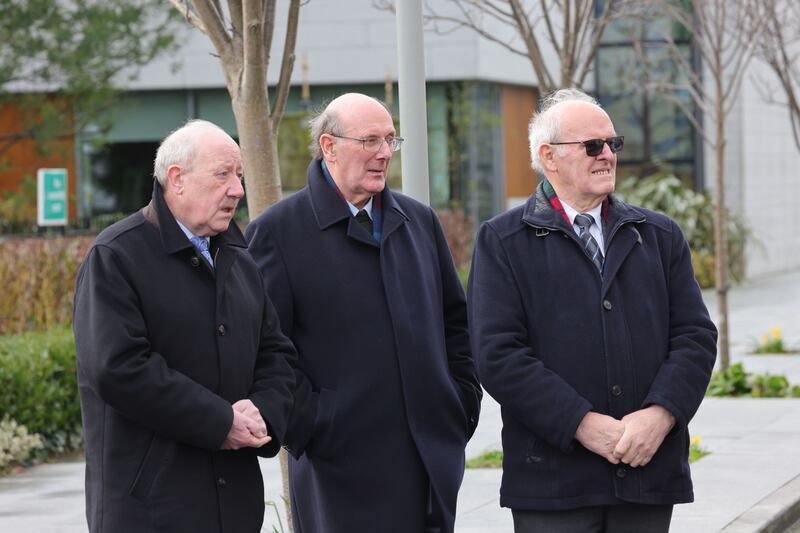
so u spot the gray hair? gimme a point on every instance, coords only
(326, 121)
(545, 125)
(329, 121)
(179, 147)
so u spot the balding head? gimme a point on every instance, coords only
(338, 115)
(355, 136)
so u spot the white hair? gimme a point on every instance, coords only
(545, 125)
(179, 147)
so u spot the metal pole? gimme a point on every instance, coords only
(413, 108)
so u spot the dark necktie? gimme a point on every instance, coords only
(362, 217)
(584, 221)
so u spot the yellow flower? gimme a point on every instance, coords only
(776, 333)
(696, 440)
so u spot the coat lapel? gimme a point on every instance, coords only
(175, 241)
(393, 214)
(222, 250)
(330, 209)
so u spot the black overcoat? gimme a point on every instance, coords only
(553, 340)
(165, 345)
(387, 393)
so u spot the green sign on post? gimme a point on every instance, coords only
(52, 196)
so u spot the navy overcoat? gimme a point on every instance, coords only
(165, 345)
(387, 393)
(553, 340)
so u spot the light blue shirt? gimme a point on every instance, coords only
(367, 207)
(190, 235)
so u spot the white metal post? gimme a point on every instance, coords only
(413, 108)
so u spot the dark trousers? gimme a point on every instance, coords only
(623, 518)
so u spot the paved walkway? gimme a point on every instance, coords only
(752, 474)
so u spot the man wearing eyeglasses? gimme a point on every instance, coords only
(589, 329)
(365, 286)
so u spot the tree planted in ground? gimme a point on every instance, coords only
(242, 32)
(722, 37)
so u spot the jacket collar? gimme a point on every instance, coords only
(539, 213)
(157, 212)
(329, 208)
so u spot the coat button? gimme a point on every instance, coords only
(221, 330)
(621, 472)
(221, 482)
(607, 305)
(616, 390)
(195, 261)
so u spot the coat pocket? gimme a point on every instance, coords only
(322, 442)
(151, 466)
(536, 454)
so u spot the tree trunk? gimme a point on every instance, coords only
(283, 456)
(259, 145)
(720, 232)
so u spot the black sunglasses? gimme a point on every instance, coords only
(595, 146)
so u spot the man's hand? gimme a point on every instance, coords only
(600, 434)
(244, 430)
(645, 430)
(248, 408)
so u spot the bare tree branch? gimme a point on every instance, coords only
(269, 27)
(182, 6)
(782, 33)
(284, 81)
(214, 25)
(570, 27)
(235, 11)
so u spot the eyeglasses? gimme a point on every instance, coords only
(374, 144)
(595, 146)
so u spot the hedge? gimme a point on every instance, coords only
(38, 280)
(39, 388)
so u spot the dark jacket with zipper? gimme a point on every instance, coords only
(555, 339)
(165, 345)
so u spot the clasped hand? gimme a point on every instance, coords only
(633, 440)
(248, 428)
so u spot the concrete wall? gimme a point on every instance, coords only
(770, 179)
(347, 41)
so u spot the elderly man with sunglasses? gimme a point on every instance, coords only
(364, 285)
(589, 329)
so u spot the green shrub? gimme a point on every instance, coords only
(16, 444)
(38, 280)
(694, 213)
(731, 382)
(39, 388)
(735, 381)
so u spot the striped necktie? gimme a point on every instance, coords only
(202, 245)
(584, 222)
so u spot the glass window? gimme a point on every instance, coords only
(658, 134)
